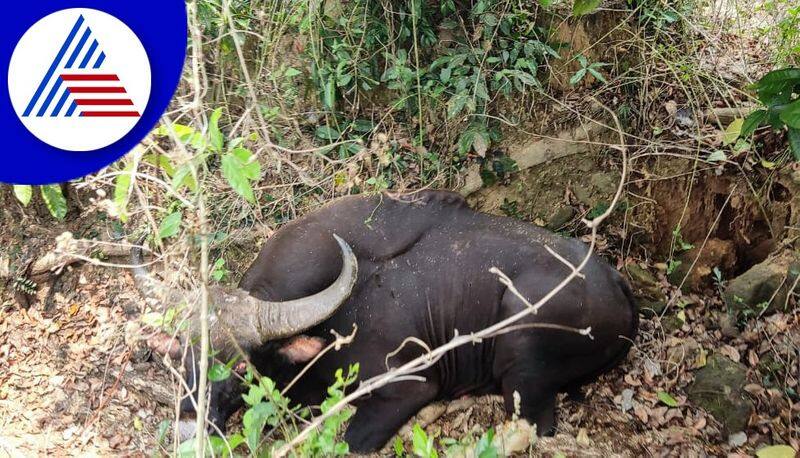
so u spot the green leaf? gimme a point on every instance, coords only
(24, 194)
(56, 203)
(219, 271)
(484, 447)
(159, 161)
(422, 444)
(455, 105)
(444, 75)
(490, 20)
(329, 94)
(582, 7)
(235, 440)
(465, 141)
(362, 125)
(250, 166)
(597, 74)
(399, 450)
(794, 143)
(219, 372)
(254, 420)
(122, 185)
(215, 138)
(232, 170)
(254, 395)
(161, 432)
(187, 448)
(218, 446)
(292, 72)
(667, 399)
(170, 225)
(545, 3)
(733, 131)
(577, 77)
(181, 131)
(183, 177)
(776, 451)
(327, 133)
(752, 122)
(791, 114)
(776, 86)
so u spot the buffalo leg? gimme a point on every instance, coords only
(380, 416)
(537, 402)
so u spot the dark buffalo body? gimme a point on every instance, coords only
(424, 263)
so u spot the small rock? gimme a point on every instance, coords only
(652, 300)
(671, 323)
(472, 180)
(5, 266)
(685, 352)
(514, 437)
(583, 193)
(627, 399)
(719, 389)
(684, 117)
(764, 282)
(651, 307)
(727, 325)
(737, 439)
(604, 183)
(640, 276)
(560, 219)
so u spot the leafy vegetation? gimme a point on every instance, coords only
(779, 93)
(457, 61)
(52, 195)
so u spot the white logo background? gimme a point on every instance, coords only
(124, 56)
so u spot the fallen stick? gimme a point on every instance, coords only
(69, 250)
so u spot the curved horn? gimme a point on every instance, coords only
(276, 320)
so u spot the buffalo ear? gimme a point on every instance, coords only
(302, 348)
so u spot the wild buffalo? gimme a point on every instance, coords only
(417, 265)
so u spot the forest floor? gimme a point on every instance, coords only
(75, 380)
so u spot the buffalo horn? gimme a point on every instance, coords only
(283, 319)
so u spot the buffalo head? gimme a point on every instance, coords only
(240, 323)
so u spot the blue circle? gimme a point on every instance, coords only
(161, 27)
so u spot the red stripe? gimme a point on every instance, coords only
(110, 114)
(116, 102)
(90, 77)
(96, 90)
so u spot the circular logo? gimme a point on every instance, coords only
(87, 81)
(79, 79)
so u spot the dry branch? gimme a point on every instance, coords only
(69, 250)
